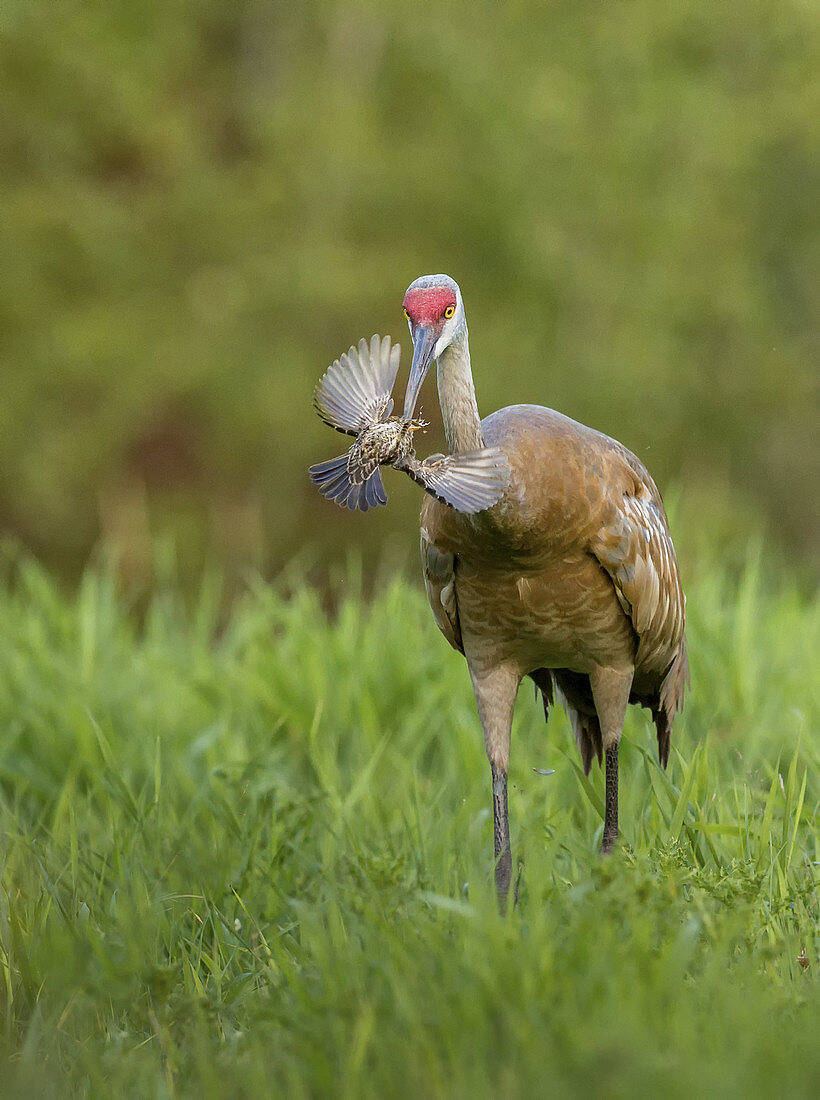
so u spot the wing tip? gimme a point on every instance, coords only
(356, 388)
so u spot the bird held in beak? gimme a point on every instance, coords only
(355, 397)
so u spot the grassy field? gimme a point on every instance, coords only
(254, 858)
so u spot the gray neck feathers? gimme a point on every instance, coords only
(456, 395)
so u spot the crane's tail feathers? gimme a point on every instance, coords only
(674, 685)
(355, 390)
(333, 481)
(542, 679)
(588, 738)
(573, 692)
(664, 728)
(467, 482)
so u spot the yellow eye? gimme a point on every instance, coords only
(406, 314)
(449, 311)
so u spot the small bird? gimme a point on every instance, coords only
(570, 579)
(354, 397)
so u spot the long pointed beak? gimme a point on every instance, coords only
(424, 342)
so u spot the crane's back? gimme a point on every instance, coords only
(565, 480)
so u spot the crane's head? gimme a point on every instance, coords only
(435, 314)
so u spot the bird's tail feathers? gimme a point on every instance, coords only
(543, 683)
(674, 685)
(664, 728)
(588, 738)
(332, 478)
(573, 692)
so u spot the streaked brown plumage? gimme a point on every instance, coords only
(570, 579)
(382, 444)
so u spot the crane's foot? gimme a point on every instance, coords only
(610, 838)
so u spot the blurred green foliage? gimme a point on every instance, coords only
(203, 203)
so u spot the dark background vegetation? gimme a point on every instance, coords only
(202, 204)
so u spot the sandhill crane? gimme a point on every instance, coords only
(571, 578)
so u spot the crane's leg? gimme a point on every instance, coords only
(495, 692)
(610, 836)
(610, 691)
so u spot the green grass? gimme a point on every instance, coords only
(254, 859)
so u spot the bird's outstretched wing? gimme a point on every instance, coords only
(333, 481)
(467, 482)
(355, 390)
(440, 581)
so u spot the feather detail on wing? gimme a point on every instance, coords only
(635, 548)
(467, 482)
(440, 581)
(355, 391)
(333, 481)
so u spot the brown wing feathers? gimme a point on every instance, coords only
(635, 548)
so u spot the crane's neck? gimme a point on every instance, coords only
(456, 395)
